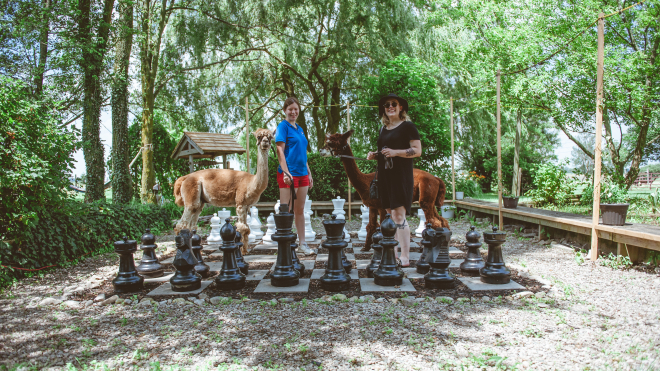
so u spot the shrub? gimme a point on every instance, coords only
(610, 193)
(551, 185)
(469, 185)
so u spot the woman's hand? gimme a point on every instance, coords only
(372, 155)
(389, 152)
(287, 179)
(311, 181)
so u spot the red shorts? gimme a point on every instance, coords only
(298, 181)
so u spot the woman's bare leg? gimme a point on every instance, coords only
(299, 212)
(402, 234)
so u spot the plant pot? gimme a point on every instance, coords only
(510, 202)
(614, 214)
(447, 212)
(459, 195)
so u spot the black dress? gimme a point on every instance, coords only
(395, 186)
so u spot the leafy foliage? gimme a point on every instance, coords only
(552, 185)
(610, 193)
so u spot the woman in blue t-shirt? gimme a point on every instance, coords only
(294, 169)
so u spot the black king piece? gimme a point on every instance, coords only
(439, 276)
(284, 274)
(335, 277)
(378, 253)
(185, 278)
(423, 266)
(128, 279)
(149, 265)
(473, 262)
(495, 271)
(388, 273)
(230, 277)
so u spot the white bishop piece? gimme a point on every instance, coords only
(255, 224)
(215, 230)
(270, 223)
(338, 203)
(310, 235)
(422, 222)
(362, 234)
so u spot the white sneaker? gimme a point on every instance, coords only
(304, 249)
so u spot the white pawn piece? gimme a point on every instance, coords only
(270, 223)
(215, 230)
(277, 207)
(422, 222)
(310, 234)
(362, 234)
(255, 224)
(224, 214)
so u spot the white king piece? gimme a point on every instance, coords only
(255, 224)
(338, 203)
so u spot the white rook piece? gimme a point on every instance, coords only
(362, 234)
(215, 230)
(255, 224)
(270, 223)
(310, 235)
(422, 222)
(338, 203)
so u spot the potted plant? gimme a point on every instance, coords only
(613, 206)
(469, 185)
(509, 202)
(448, 211)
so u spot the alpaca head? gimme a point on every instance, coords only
(336, 144)
(264, 137)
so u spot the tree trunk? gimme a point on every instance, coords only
(516, 154)
(43, 49)
(121, 178)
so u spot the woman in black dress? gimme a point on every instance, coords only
(398, 144)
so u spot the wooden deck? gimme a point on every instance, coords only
(639, 235)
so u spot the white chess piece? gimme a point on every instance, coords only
(422, 222)
(338, 203)
(215, 230)
(224, 214)
(270, 223)
(277, 207)
(310, 234)
(362, 234)
(255, 224)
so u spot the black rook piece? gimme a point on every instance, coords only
(439, 276)
(128, 279)
(388, 272)
(473, 262)
(423, 266)
(201, 267)
(230, 277)
(297, 265)
(284, 274)
(495, 271)
(335, 277)
(378, 253)
(240, 262)
(149, 265)
(185, 278)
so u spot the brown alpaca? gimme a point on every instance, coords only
(429, 190)
(224, 187)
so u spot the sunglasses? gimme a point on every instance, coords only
(392, 104)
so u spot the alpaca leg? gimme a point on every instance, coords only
(186, 221)
(427, 198)
(242, 226)
(371, 228)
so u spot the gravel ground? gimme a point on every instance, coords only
(592, 318)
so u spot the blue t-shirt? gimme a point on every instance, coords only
(295, 149)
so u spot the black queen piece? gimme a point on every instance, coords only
(185, 278)
(230, 277)
(495, 271)
(388, 272)
(473, 262)
(335, 277)
(149, 265)
(128, 279)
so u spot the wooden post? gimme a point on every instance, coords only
(499, 157)
(453, 174)
(519, 182)
(224, 161)
(247, 134)
(190, 163)
(348, 121)
(648, 178)
(599, 131)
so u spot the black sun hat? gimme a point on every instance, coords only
(381, 102)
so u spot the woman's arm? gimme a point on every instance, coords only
(415, 150)
(282, 160)
(309, 174)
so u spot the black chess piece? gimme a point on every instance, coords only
(297, 265)
(128, 279)
(201, 268)
(149, 265)
(495, 271)
(439, 277)
(240, 261)
(388, 272)
(423, 266)
(378, 253)
(473, 262)
(348, 267)
(230, 277)
(185, 278)
(335, 278)
(284, 274)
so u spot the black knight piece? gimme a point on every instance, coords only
(423, 266)
(240, 261)
(439, 276)
(473, 262)
(335, 277)
(378, 253)
(284, 274)
(149, 265)
(230, 277)
(196, 246)
(495, 271)
(297, 265)
(128, 279)
(185, 278)
(388, 272)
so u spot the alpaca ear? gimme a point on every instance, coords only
(348, 134)
(327, 135)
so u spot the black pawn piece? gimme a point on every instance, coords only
(473, 262)
(388, 272)
(185, 278)
(201, 268)
(439, 276)
(348, 267)
(297, 265)
(378, 253)
(335, 277)
(284, 274)
(240, 262)
(128, 279)
(149, 265)
(423, 266)
(495, 271)
(230, 277)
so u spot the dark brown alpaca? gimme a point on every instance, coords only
(432, 188)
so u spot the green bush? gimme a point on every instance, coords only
(62, 235)
(551, 185)
(610, 193)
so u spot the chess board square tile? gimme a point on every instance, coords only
(414, 244)
(260, 258)
(167, 261)
(416, 239)
(166, 289)
(454, 250)
(415, 255)
(475, 284)
(309, 264)
(322, 257)
(215, 266)
(265, 286)
(350, 257)
(210, 249)
(412, 273)
(266, 247)
(368, 285)
(455, 263)
(216, 255)
(318, 273)
(164, 278)
(362, 264)
(257, 275)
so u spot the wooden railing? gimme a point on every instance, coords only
(646, 178)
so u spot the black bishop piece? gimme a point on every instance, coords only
(473, 262)
(230, 277)
(439, 276)
(128, 279)
(240, 262)
(423, 266)
(185, 278)
(495, 271)
(149, 265)
(335, 277)
(284, 274)
(388, 272)
(378, 253)
(201, 268)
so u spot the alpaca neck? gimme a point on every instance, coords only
(260, 179)
(353, 172)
